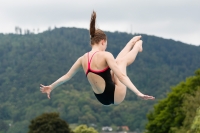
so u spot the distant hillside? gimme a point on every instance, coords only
(28, 60)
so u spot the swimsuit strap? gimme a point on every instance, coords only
(89, 61)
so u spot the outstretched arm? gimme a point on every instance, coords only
(123, 77)
(74, 69)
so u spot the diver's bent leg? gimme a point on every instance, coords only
(128, 47)
(120, 88)
(130, 56)
(125, 50)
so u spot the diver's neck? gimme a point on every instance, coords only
(96, 48)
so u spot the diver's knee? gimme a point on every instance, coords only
(120, 61)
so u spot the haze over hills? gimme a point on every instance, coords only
(28, 60)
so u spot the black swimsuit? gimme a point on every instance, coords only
(107, 97)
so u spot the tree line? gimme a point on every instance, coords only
(31, 59)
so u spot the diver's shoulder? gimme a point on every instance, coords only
(106, 53)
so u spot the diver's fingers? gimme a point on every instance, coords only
(146, 97)
(48, 95)
(41, 85)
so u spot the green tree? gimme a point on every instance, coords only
(84, 129)
(3, 126)
(49, 123)
(195, 127)
(169, 113)
(190, 107)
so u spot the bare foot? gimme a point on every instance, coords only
(139, 45)
(135, 39)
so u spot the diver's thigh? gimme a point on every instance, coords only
(120, 93)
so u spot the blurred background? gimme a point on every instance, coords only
(40, 41)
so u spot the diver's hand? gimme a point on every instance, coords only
(46, 89)
(145, 97)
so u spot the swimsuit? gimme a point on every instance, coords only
(107, 97)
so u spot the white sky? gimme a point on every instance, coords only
(175, 19)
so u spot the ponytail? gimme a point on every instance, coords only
(92, 24)
(96, 35)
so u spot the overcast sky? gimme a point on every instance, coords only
(175, 19)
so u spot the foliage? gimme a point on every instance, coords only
(169, 113)
(84, 129)
(49, 123)
(30, 59)
(3, 126)
(195, 127)
(191, 103)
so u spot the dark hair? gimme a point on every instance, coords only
(96, 35)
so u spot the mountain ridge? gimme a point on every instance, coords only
(28, 60)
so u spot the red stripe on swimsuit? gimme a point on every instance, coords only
(95, 71)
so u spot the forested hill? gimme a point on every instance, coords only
(31, 59)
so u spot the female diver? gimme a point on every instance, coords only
(106, 75)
